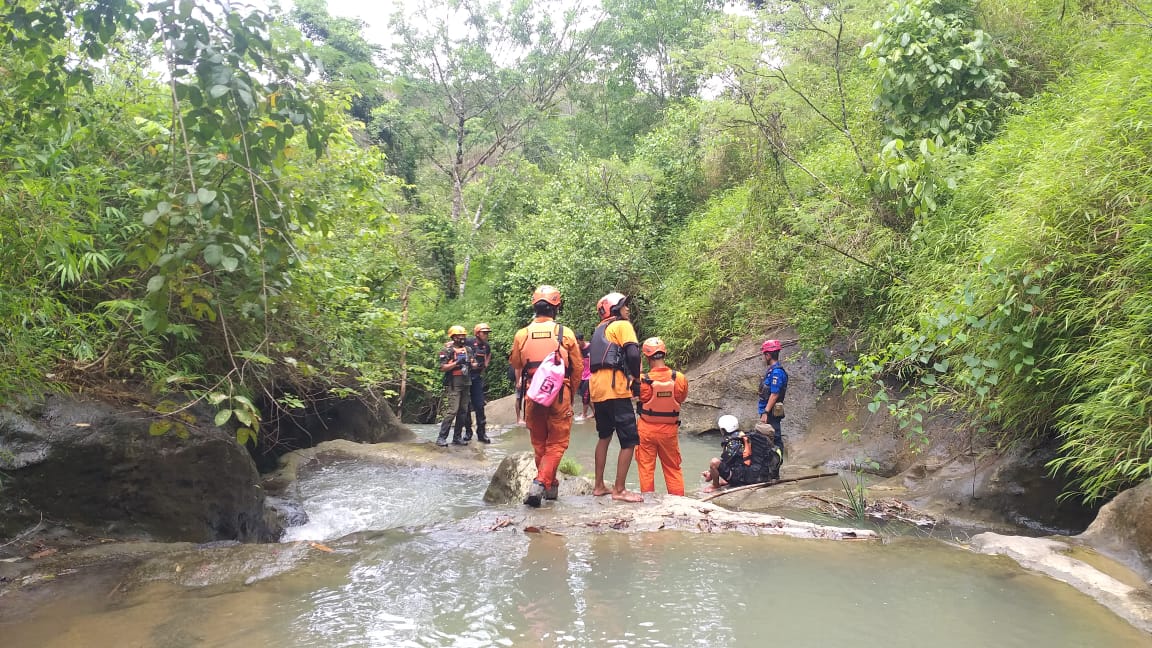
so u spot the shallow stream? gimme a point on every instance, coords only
(406, 571)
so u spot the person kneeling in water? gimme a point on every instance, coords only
(747, 458)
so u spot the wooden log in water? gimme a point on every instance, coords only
(750, 487)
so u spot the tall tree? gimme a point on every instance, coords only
(480, 75)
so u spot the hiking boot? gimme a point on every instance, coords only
(442, 441)
(535, 493)
(483, 438)
(460, 442)
(467, 435)
(553, 491)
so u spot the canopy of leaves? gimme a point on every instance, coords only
(246, 206)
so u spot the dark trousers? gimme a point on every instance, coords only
(477, 389)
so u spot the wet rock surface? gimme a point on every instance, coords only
(588, 514)
(1060, 559)
(368, 420)
(97, 466)
(1123, 529)
(514, 475)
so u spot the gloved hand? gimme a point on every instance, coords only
(635, 389)
(639, 406)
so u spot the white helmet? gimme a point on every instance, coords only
(728, 423)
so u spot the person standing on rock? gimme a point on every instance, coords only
(615, 359)
(550, 428)
(585, 395)
(662, 390)
(772, 390)
(746, 458)
(483, 356)
(456, 362)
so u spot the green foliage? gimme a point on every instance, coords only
(180, 231)
(856, 496)
(569, 466)
(1024, 304)
(942, 85)
(190, 206)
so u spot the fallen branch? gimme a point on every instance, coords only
(25, 534)
(749, 487)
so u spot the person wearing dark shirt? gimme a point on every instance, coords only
(483, 356)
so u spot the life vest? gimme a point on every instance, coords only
(662, 407)
(603, 354)
(766, 387)
(539, 345)
(483, 353)
(448, 354)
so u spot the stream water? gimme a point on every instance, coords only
(406, 571)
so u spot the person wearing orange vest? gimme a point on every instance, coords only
(662, 390)
(456, 361)
(549, 428)
(615, 358)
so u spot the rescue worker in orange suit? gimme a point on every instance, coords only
(662, 390)
(615, 358)
(456, 362)
(550, 427)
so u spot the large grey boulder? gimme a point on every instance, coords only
(1123, 529)
(514, 475)
(95, 465)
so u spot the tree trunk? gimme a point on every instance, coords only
(403, 349)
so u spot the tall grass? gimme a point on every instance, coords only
(1034, 284)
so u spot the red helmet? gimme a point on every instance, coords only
(608, 302)
(652, 346)
(547, 294)
(770, 345)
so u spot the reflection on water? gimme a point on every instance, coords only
(674, 589)
(412, 576)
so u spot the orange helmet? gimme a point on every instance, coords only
(481, 327)
(609, 302)
(546, 293)
(770, 345)
(456, 329)
(652, 346)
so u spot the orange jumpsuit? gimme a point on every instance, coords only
(660, 439)
(550, 428)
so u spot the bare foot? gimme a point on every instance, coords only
(709, 488)
(627, 496)
(601, 491)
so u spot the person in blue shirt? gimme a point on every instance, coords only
(772, 390)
